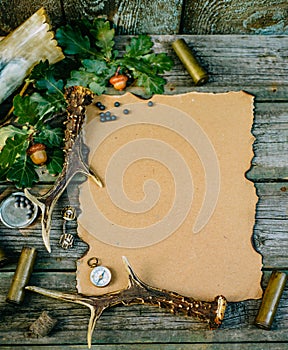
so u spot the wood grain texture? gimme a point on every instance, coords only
(235, 17)
(12, 240)
(13, 13)
(269, 236)
(271, 224)
(159, 17)
(119, 326)
(270, 129)
(256, 64)
(240, 346)
(130, 17)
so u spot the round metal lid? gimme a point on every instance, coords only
(17, 211)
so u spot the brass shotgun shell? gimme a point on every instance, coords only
(197, 73)
(22, 275)
(271, 300)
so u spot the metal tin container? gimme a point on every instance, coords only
(17, 211)
(22, 275)
(197, 73)
(270, 300)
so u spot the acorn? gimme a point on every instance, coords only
(37, 153)
(119, 81)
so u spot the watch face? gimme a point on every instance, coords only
(100, 276)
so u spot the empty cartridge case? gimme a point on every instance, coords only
(270, 300)
(22, 275)
(197, 73)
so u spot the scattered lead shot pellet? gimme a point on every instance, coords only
(107, 117)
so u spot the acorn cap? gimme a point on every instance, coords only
(36, 147)
(118, 77)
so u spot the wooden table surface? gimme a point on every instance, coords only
(256, 64)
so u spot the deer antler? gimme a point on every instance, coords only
(139, 292)
(77, 98)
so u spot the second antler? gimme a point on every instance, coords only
(77, 98)
(139, 292)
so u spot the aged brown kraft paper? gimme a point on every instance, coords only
(176, 201)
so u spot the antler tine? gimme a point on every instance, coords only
(46, 216)
(94, 316)
(90, 302)
(133, 278)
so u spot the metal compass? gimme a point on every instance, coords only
(100, 275)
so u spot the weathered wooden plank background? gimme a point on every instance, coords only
(161, 16)
(234, 63)
(255, 63)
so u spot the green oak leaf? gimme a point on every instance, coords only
(145, 75)
(50, 83)
(104, 35)
(97, 67)
(9, 131)
(22, 173)
(49, 104)
(139, 46)
(152, 84)
(14, 148)
(39, 71)
(97, 88)
(26, 110)
(102, 71)
(73, 42)
(136, 65)
(51, 137)
(159, 62)
(44, 78)
(55, 165)
(81, 77)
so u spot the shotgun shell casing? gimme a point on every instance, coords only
(271, 300)
(22, 275)
(3, 258)
(197, 73)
